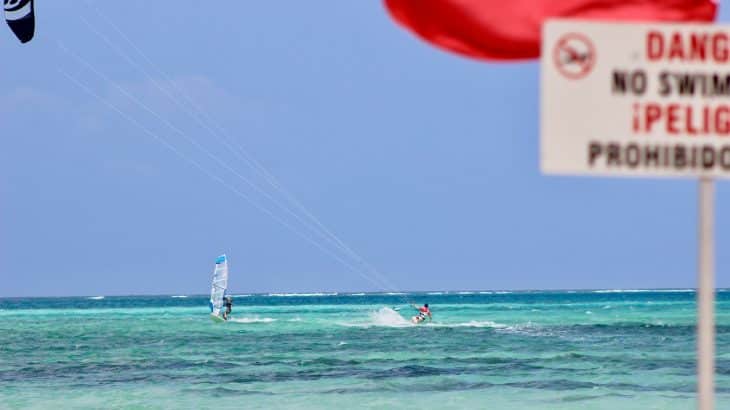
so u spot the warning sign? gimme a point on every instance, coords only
(635, 99)
(574, 55)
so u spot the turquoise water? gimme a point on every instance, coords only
(501, 350)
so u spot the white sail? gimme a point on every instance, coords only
(219, 286)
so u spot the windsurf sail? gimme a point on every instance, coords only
(219, 286)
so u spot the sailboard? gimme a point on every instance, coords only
(218, 288)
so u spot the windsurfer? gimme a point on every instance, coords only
(228, 301)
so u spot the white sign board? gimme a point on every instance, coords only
(626, 99)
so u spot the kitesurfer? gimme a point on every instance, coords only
(423, 313)
(228, 301)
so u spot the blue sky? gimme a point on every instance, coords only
(424, 163)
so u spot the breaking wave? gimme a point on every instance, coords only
(388, 317)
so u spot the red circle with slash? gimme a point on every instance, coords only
(574, 56)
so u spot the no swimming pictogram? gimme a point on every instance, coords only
(574, 55)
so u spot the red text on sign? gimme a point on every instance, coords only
(687, 46)
(681, 119)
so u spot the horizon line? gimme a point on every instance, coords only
(383, 293)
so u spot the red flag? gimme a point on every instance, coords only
(510, 29)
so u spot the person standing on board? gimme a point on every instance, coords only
(228, 301)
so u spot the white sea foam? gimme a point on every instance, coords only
(383, 317)
(357, 294)
(388, 317)
(95, 298)
(241, 296)
(179, 296)
(466, 293)
(251, 320)
(302, 294)
(643, 290)
(640, 290)
(527, 329)
(621, 291)
(471, 323)
(435, 293)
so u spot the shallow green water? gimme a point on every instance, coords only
(548, 350)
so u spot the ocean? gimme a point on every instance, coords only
(483, 350)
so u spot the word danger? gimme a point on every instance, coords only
(688, 46)
(677, 157)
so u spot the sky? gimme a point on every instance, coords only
(423, 163)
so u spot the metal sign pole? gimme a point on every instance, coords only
(706, 297)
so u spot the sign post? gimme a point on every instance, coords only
(706, 297)
(643, 100)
